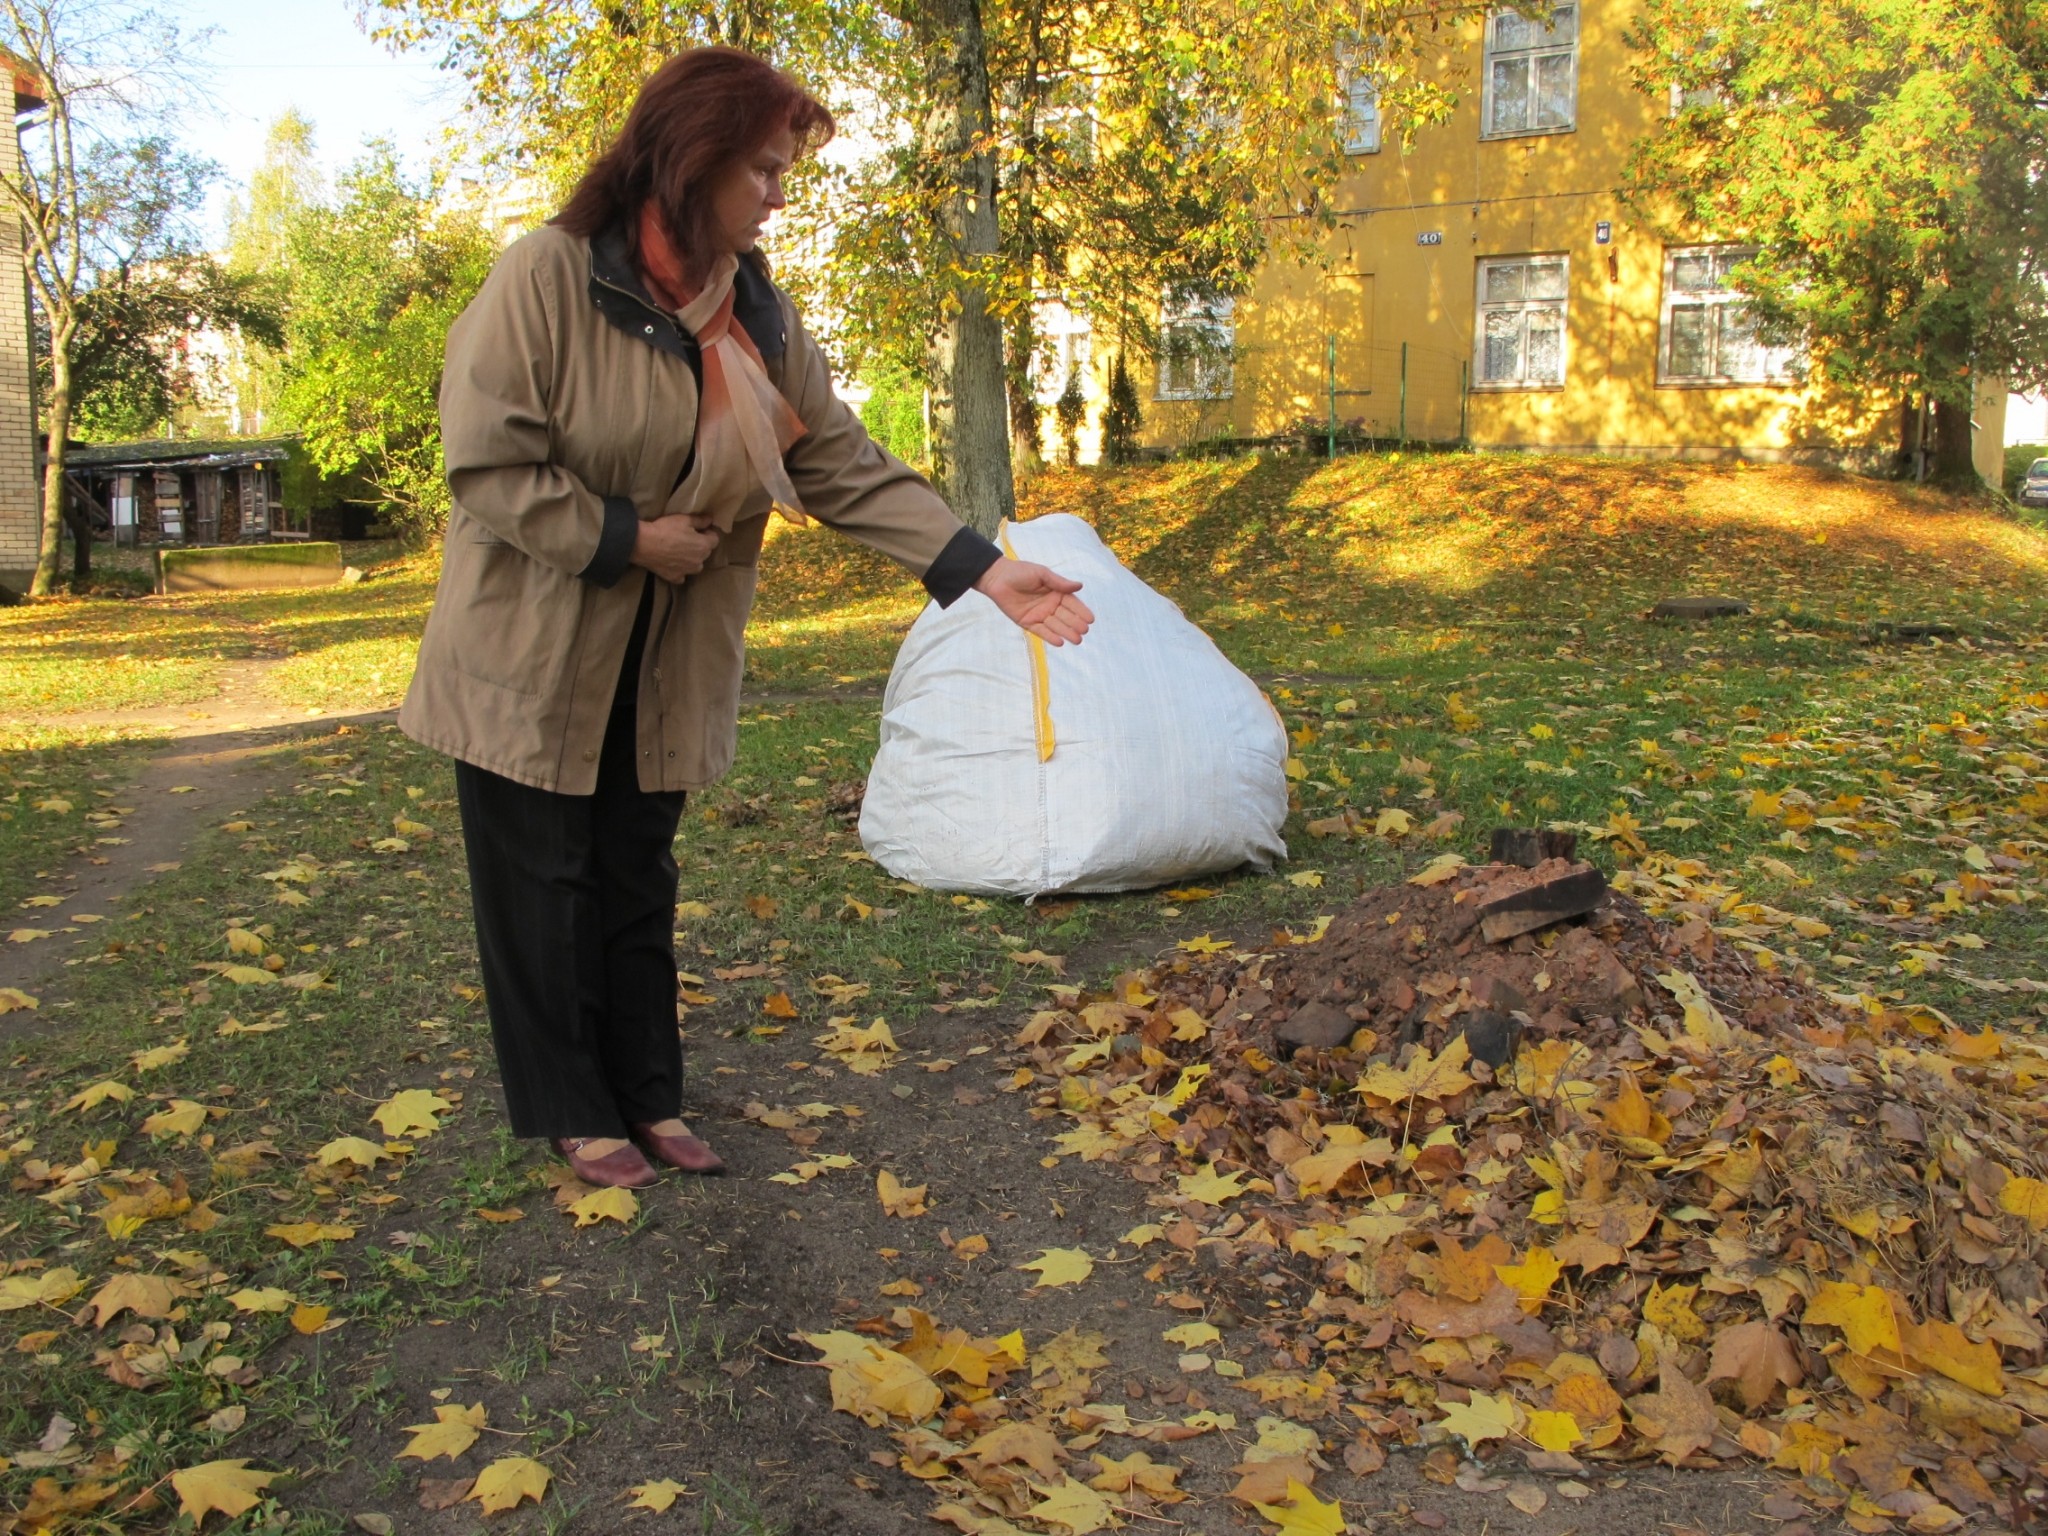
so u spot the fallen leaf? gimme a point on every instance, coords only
(873, 1383)
(1304, 1514)
(150, 1296)
(303, 1234)
(898, 1199)
(1487, 1416)
(182, 1118)
(1678, 1418)
(99, 1093)
(14, 1000)
(50, 1288)
(227, 1486)
(1073, 1507)
(656, 1496)
(269, 1299)
(1061, 1266)
(620, 1205)
(1424, 1077)
(509, 1480)
(454, 1430)
(350, 1149)
(411, 1112)
(309, 1319)
(1758, 1359)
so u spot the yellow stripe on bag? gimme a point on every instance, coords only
(1041, 677)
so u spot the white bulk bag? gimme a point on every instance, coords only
(1137, 758)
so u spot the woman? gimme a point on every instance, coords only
(623, 404)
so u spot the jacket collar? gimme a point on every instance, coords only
(620, 295)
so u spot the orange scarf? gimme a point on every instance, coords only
(744, 425)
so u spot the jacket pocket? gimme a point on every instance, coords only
(515, 621)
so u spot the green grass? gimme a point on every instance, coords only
(1445, 636)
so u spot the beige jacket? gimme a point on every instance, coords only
(568, 406)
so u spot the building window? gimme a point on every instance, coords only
(1358, 103)
(1064, 349)
(1532, 73)
(1707, 333)
(1521, 322)
(1196, 333)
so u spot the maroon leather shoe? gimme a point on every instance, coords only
(689, 1153)
(624, 1168)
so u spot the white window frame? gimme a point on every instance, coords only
(1358, 103)
(1198, 334)
(1779, 365)
(1553, 41)
(1526, 308)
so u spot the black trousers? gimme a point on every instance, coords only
(575, 900)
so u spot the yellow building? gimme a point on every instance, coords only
(1486, 283)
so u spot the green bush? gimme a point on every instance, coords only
(894, 413)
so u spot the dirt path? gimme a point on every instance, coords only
(218, 755)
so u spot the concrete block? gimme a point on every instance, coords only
(247, 567)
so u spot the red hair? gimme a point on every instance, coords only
(703, 112)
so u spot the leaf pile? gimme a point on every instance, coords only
(1705, 1212)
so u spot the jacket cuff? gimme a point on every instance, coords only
(614, 544)
(959, 566)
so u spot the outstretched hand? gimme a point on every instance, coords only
(1037, 599)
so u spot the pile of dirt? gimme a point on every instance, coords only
(1412, 964)
(1502, 1160)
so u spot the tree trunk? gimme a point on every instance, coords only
(1026, 456)
(1954, 461)
(53, 473)
(970, 437)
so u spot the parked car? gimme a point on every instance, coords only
(2034, 488)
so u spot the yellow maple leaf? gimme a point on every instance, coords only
(182, 1118)
(507, 1481)
(350, 1149)
(1670, 1308)
(411, 1112)
(454, 1430)
(1204, 945)
(247, 975)
(1211, 1187)
(1137, 1473)
(1189, 1083)
(309, 1319)
(1393, 822)
(1307, 879)
(158, 1056)
(1553, 1429)
(1425, 1076)
(242, 942)
(100, 1093)
(1438, 869)
(1304, 1514)
(1531, 1279)
(897, 1198)
(620, 1205)
(875, 1384)
(149, 1296)
(1073, 1507)
(1061, 1266)
(2027, 1199)
(49, 1288)
(227, 1486)
(303, 1234)
(269, 1299)
(1864, 1313)
(1488, 1416)
(657, 1495)
(1703, 1021)
(1193, 1335)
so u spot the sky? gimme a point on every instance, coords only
(270, 55)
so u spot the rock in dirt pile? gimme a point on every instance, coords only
(1501, 1160)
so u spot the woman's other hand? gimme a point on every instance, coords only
(1037, 599)
(674, 547)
